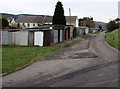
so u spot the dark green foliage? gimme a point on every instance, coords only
(3, 22)
(87, 21)
(117, 20)
(59, 18)
(100, 27)
(80, 22)
(112, 25)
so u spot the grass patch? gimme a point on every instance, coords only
(83, 36)
(113, 38)
(14, 57)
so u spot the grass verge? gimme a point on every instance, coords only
(14, 57)
(113, 38)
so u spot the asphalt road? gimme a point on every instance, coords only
(89, 63)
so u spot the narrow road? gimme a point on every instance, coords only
(89, 63)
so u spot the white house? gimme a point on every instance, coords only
(72, 20)
(36, 21)
(12, 23)
(29, 21)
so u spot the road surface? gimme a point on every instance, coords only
(88, 63)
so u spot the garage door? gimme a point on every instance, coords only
(38, 38)
(21, 38)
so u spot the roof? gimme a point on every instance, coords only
(73, 18)
(40, 19)
(10, 29)
(48, 19)
(30, 19)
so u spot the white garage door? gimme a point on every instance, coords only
(38, 38)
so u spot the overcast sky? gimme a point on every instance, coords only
(100, 10)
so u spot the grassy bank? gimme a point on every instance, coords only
(113, 38)
(14, 57)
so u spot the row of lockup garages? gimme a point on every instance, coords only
(38, 36)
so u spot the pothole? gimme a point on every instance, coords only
(82, 55)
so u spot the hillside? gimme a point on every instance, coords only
(98, 23)
(16, 16)
(9, 15)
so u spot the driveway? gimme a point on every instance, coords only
(88, 63)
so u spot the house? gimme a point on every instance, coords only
(35, 21)
(71, 23)
(72, 20)
(12, 22)
(29, 21)
(47, 20)
(38, 30)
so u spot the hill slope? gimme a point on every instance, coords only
(16, 16)
(103, 24)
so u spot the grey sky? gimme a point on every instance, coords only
(100, 10)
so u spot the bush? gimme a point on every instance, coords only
(112, 25)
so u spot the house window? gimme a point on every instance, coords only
(18, 25)
(38, 24)
(28, 24)
(23, 24)
(33, 24)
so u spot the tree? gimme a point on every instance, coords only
(112, 25)
(117, 20)
(81, 22)
(100, 27)
(86, 21)
(58, 17)
(3, 22)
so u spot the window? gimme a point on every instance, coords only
(28, 24)
(33, 24)
(18, 25)
(38, 24)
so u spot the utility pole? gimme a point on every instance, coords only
(70, 15)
